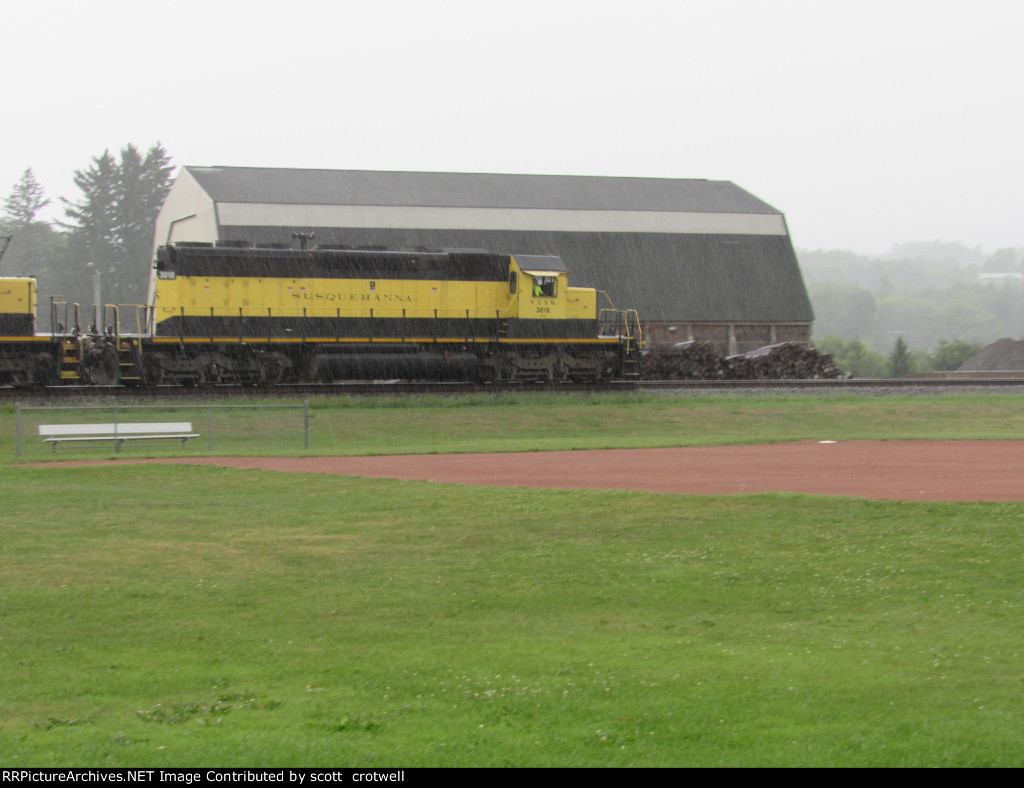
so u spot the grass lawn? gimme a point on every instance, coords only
(181, 616)
(539, 422)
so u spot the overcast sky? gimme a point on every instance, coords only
(867, 123)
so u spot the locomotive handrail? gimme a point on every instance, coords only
(59, 326)
(611, 305)
(610, 321)
(140, 319)
(623, 323)
(638, 327)
(116, 324)
(55, 301)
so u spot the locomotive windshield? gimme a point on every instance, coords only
(544, 286)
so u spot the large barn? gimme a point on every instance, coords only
(698, 259)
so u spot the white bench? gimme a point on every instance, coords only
(118, 433)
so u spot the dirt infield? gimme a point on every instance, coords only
(883, 470)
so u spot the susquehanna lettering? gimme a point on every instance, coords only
(381, 298)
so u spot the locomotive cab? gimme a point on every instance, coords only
(539, 289)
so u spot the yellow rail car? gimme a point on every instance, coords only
(25, 357)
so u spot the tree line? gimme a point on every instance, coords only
(105, 235)
(922, 307)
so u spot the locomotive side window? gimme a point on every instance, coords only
(544, 286)
(513, 283)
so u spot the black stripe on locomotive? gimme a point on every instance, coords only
(271, 328)
(17, 325)
(464, 266)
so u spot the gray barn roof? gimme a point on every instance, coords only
(474, 190)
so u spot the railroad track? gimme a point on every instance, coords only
(292, 390)
(876, 386)
(852, 384)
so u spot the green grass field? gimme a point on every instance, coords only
(182, 616)
(540, 422)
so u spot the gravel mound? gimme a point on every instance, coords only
(1003, 354)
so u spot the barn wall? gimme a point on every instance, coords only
(669, 278)
(188, 214)
(728, 338)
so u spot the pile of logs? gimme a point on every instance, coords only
(701, 361)
(685, 361)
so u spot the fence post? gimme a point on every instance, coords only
(306, 423)
(17, 429)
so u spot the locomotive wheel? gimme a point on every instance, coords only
(198, 377)
(271, 374)
(44, 370)
(154, 372)
(272, 368)
(19, 377)
(493, 373)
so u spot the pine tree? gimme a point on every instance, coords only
(93, 223)
(25, 201)
(144, 185)
(112, 225)
(33, 248)
(900, 363)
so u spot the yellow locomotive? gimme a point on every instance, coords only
(248, 314)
